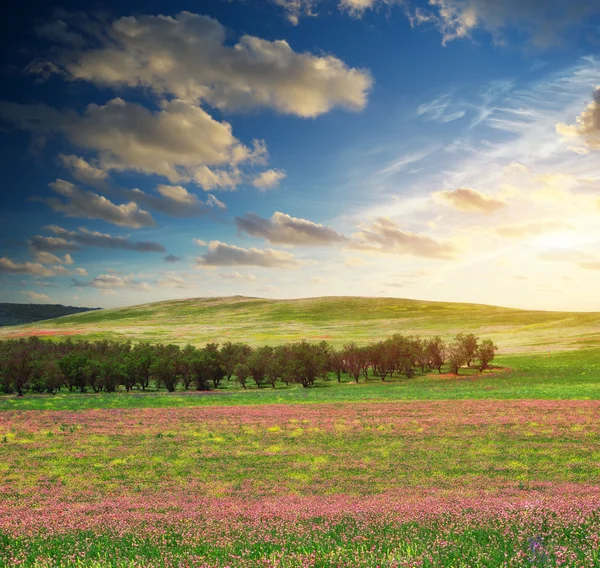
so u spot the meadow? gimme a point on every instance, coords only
(338, 320)
(489, 469)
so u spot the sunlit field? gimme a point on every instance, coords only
(500, 468)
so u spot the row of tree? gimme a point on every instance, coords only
(42, 366)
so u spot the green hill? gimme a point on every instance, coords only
(19, 314)
(336, 319)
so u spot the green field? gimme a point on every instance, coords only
(490, 469)
(336, 319)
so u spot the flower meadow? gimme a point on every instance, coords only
(419, 483)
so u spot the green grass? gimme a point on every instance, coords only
(337, 319)
(560, 375)
(343, 543)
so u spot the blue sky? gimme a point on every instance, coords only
(443, 150)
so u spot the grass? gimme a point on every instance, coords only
(336, 319)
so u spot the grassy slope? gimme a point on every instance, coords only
(337, 319)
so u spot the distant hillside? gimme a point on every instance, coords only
(19, 314)
(335, 319)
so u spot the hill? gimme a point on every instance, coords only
(335, 319)
(19, 314)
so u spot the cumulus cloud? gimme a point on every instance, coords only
(470, 200)
(176, 201)
(595, 265)
(75, 240)
(222, 254)
(175, 281)
(586, 129)
(172, 258)
(44, 257)
(286, 230)
(187, 56)
(35, 268)
(386, 236)
(83, 171)
(112, 281)
(90, 205)
(268, 179)
(238, 276)
(544, 23)
(37, 297)
(180, 141)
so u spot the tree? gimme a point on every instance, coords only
(242, 373)
(306, 363)
(435, 349)
(456, 356)
(404, 353)
(205, 368)
(353, 360)
(276, 366)
(469, 346)
(486, 353)
(140, 363)
(336, 363)
(163, 367)
(258, 362)
(72, 366)
(19, 366)
(231, 354)
(382, 356)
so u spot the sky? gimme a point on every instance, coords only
(430, 149)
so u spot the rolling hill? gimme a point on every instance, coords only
(335, 319)
(19, 314)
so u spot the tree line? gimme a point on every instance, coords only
(38, 366)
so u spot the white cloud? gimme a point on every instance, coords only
(175, 281)
(268, 179)
(286, 230)
(37, 297)
(112, 281)
(470, 200)
(222, 254)
(586, 130)
(544, 26)
(238, 276)
(74, 240)
(176, 201)
(49, 258)
(35, 268)
(187, 56)
(385, 236)
(83, 171)
(180, 141)
(90, 205)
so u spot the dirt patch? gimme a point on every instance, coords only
(492, 371)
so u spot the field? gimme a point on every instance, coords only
(337, 320)
(485, 469)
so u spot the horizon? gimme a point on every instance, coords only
(242, 296)
(436, 151)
